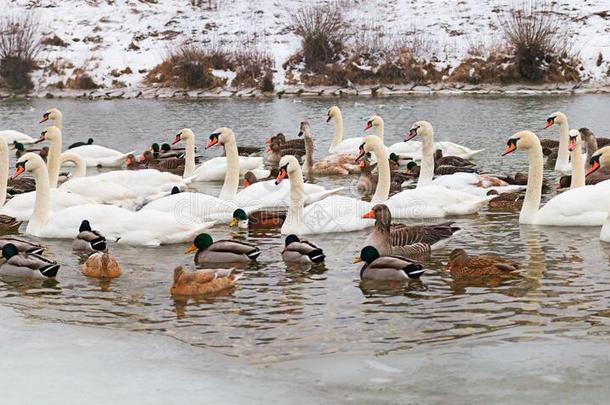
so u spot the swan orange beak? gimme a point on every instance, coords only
(191, 249)
(368, 215)
(510, 148)
(18, 170)
(368, 125)
(246, 183)
(45, 118)
(412, 134)
(572, 144)
(549, 123)
(281, 175)
(594, 167)
(211, 143)
(41, 138)
(177, 139)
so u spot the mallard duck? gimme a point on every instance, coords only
(296, 250)
(204, 281)
(413, 241)
(259, 219)
(170, 165)
(26, 264)
(222, 251)
(77, 144)
(101, 265)
(22, 245)
(505, 201)
(387, 268)
(8, 225)
(462, 265)
(440, 160)
(88, 240)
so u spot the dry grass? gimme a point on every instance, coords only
(19, 48)
(81, 81)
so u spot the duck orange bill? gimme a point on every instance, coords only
(176, 139)
(18, 170)
(510, 148)
(368, 125)
(191, 249)
(281, 176)
(369, 215)
(593, 168)
(572, 144)
(549, 124)
(211, 143)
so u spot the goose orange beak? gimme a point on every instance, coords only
(594, 167)
(18, 170)
(191, 249)
(369, 215)
(510, 148)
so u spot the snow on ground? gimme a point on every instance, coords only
(107, 35)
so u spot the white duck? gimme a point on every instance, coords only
(601, 158)
(338, 144)
(215, 168)
(144, 228)
(468, 182)
(582, 206)
(258, 195)
(414, 149)
(93, 155)
(428, 200)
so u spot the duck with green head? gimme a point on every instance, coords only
(259, 219)
(222, 251)
(387, 268)
(26, 264)
(301, 251)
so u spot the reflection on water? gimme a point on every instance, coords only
(278, 311)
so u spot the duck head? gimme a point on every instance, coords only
(368, 255)
(201, 242)
(240, 219)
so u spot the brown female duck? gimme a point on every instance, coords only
(462, 265)
(205, 281)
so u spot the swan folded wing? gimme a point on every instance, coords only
(583, 206)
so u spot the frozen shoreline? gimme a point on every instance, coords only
(320, 91)
(52, 363)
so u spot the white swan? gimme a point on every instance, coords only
(93, 155)
(338, 144)
(428, 200)
(215, 168)
(330, 215)
(601, 158)
(80, 168)
(145, 228)
(258, 195)
(582, 206)
(414, 149)
(562, 164)
(578, 164)
(11, 136)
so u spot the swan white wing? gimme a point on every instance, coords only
(96, 155)
(406, 148)
(141, 179)
(349, 145)
(100, 191)
(583, 206)
(145, 228)
(11, 136)
(330, 215)
(21, 206)
(187, 206)
(434, 202)
(215, 168)
(267, 194)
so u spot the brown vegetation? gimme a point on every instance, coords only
(19, 47)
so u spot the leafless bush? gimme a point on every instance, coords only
(19, 47)
(81, 81)
(322, 31)
(535, 34)
(251, 65)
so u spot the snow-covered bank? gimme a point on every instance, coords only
(117, 42)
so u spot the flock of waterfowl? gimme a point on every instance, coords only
(152, 202)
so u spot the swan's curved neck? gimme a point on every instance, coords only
(426, 171)
(533, 193)
(379, 130)
(338, 137)
(59, 122)
(229, 188)
(189, 157)
(578, 168)
(53, 161)
(297, 199)
(3, 174)
(40, 215)
(383, 168)
(80, 169)
(563, 155)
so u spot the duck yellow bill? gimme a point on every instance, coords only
(233, 222)
(191, 249)
(357, 260)
(593, 168)
(510, 148)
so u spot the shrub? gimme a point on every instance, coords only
(81, 81)
(322, 30)
(19, 47)
(250, 67)
(267, 83)
(534, 33)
